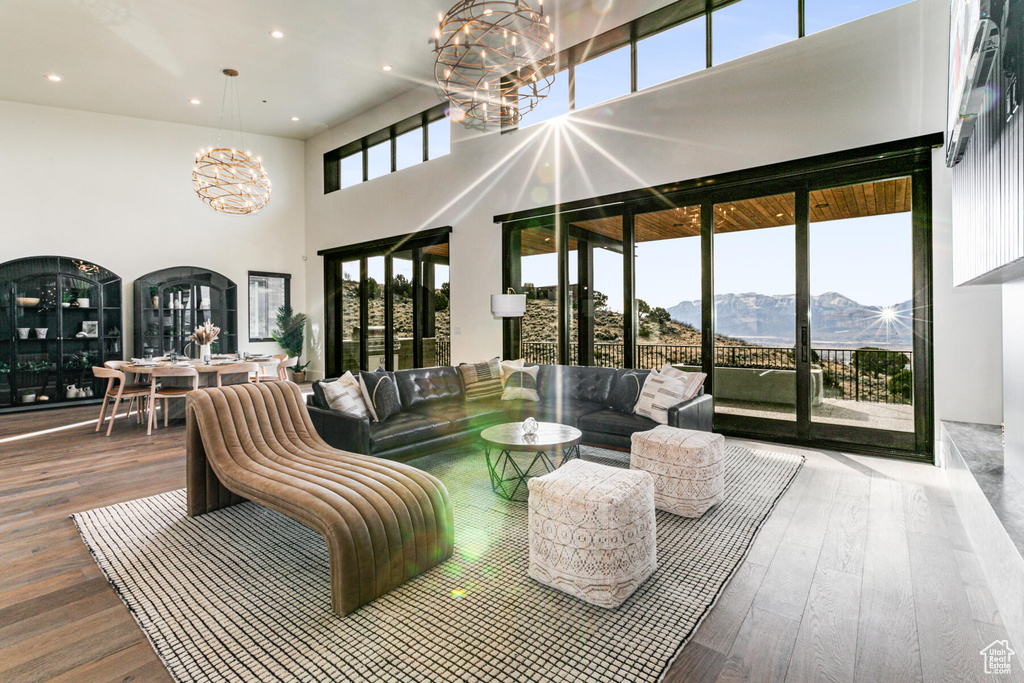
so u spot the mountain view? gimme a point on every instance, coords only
(838, 320)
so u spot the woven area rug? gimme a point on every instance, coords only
(258, 607)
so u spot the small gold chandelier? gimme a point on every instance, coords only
(227, 179)
(494, 59)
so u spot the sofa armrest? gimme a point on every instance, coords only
(697, 413)
(341, 430)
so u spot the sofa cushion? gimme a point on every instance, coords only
(660, 393)
(380, 394)
(694, 380)
(319, 399)
(567, 412)
(481, 381)
(467, 415)
(610, 421)
(345, 394)
(425, 385)
(522, 385)
(405, 428)
(626, 391)
(576, 383)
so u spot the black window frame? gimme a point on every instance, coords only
(910, 157)
(287, 277)
(333, 158)
(632, 32)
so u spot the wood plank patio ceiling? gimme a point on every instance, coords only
(837, 203)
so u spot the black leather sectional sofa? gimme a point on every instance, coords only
(435, 414)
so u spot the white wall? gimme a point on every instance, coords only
(118, 191)
(967, 324)
(875, 80)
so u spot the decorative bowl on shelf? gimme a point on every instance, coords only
(27, 301)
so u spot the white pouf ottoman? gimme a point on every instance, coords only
(687, 466)
(592, 531)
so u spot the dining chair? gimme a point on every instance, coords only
(133, 378)
(237, 369)
(282, 374)
(117, 389)
(157, 390)
(270, 373)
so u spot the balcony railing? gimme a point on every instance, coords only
(870, 375)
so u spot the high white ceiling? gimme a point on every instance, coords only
(148, 58)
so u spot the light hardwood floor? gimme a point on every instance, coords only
(862, 573)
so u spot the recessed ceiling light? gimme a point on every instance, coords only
(295, 118)
(53, 77)
(387, 67)
(194, 101)
(276, 34)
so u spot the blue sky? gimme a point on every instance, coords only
(866, 259)
(738, 30)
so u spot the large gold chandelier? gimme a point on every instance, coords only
(494, 59)
(227, 179)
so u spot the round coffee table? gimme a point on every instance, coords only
(552, 443)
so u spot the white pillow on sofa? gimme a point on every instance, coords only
(694, 380)
(660, 392)
(346, 395)
(510, 366)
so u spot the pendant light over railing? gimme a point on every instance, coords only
(225, 178)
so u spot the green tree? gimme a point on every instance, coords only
(901, 385)
(659, 315)
(290, 333)
(642, 308)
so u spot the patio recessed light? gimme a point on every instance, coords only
(387, 67)
(194, 101)
(53, 77)
(276, 34)
(295, 118)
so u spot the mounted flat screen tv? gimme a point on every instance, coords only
(973, 47)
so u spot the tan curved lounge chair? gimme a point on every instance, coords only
(384, 522)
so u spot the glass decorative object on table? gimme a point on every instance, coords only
(529, 426)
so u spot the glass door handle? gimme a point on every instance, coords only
(803, 343)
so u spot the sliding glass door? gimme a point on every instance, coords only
(755, 309)
(386, 304)
(805, 297)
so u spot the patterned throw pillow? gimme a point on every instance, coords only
(381, 394)
(626, 392)
(522, 385)
(345, 394)
(658, 395)
(482, 380)
(510, 366)
(694, 380)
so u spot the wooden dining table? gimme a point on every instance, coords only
(207, 375)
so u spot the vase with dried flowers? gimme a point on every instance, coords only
(205, 335)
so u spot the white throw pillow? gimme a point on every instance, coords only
(346, 395)
(693, 380)
(522, 385)
(510, 366)
(658, 395)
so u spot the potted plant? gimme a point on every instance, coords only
(27, 395)
(83, 293)
(290, 335)
(66, 298)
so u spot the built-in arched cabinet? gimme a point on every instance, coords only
(171, 303)
(59, 317)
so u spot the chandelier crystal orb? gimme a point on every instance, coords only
(227, 179)
(495, 59)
